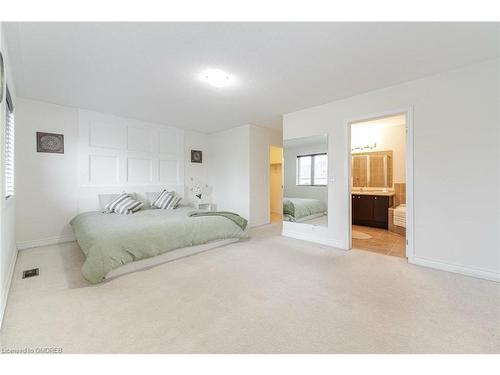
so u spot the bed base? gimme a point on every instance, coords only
(169, 256)
(310, 217)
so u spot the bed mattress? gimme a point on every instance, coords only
(295, 209)
(110, 241)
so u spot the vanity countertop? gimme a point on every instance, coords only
(368, 192)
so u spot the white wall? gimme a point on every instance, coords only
(145, 157)
(290, 188)
(239, 171)
(456, 164)
(391, 138)
(229, 155)
(197, 171)
(47, 184)
(260, 141)
(8, 251)
(276, 178)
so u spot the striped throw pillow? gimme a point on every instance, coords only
(163, 199)
(151, 198)
(124, 204)
(174, 203)
(166, 200)
(128, 206)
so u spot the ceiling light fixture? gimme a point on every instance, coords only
(216, 78)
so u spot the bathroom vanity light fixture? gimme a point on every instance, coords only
(366, 147)
(216, 78)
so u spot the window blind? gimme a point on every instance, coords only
(9, 147)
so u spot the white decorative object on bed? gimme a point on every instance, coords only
(200, 191)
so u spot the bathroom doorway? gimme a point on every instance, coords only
(276, 183)
(379, 176)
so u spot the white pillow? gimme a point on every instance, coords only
(105, 199)
(151, 197)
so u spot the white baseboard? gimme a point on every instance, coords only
(319, 239)
(481, 274)
(5, 292)
(44, 242)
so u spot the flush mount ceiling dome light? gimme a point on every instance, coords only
(216, 78)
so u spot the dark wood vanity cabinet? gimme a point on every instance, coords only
(362, 208)
(371, 210)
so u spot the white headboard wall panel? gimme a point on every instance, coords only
(107, 135)
(118, 154)
(170, 143)
(141, 139)
(170, 171)
(139, 171)
(103, 169)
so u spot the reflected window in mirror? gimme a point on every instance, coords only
(312, 169)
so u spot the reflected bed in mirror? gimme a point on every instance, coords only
(305, 190)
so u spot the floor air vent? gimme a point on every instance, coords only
(30, 273)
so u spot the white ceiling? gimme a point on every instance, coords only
(149, 71)
(304, 141)
(384, 122)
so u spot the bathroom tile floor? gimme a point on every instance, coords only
(382, 241)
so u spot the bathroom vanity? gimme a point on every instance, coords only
(371, 208)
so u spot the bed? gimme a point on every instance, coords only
(116, 244)
(303, 209)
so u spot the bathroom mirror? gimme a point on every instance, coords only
(305, 189)
(372, 169)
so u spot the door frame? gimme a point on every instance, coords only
(269, 178)
(410, 226)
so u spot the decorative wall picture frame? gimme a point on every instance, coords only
(196, 156)
(50, 142)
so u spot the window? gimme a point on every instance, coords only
(312, 170)
(9, 147)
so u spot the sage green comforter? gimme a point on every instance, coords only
(297, 208)
(237, 219)
(111, 240)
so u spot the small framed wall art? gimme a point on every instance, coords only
(50, 142)
(196, 156)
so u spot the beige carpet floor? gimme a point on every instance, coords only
(269, 294)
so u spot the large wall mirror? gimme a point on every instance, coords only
(305, 191)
